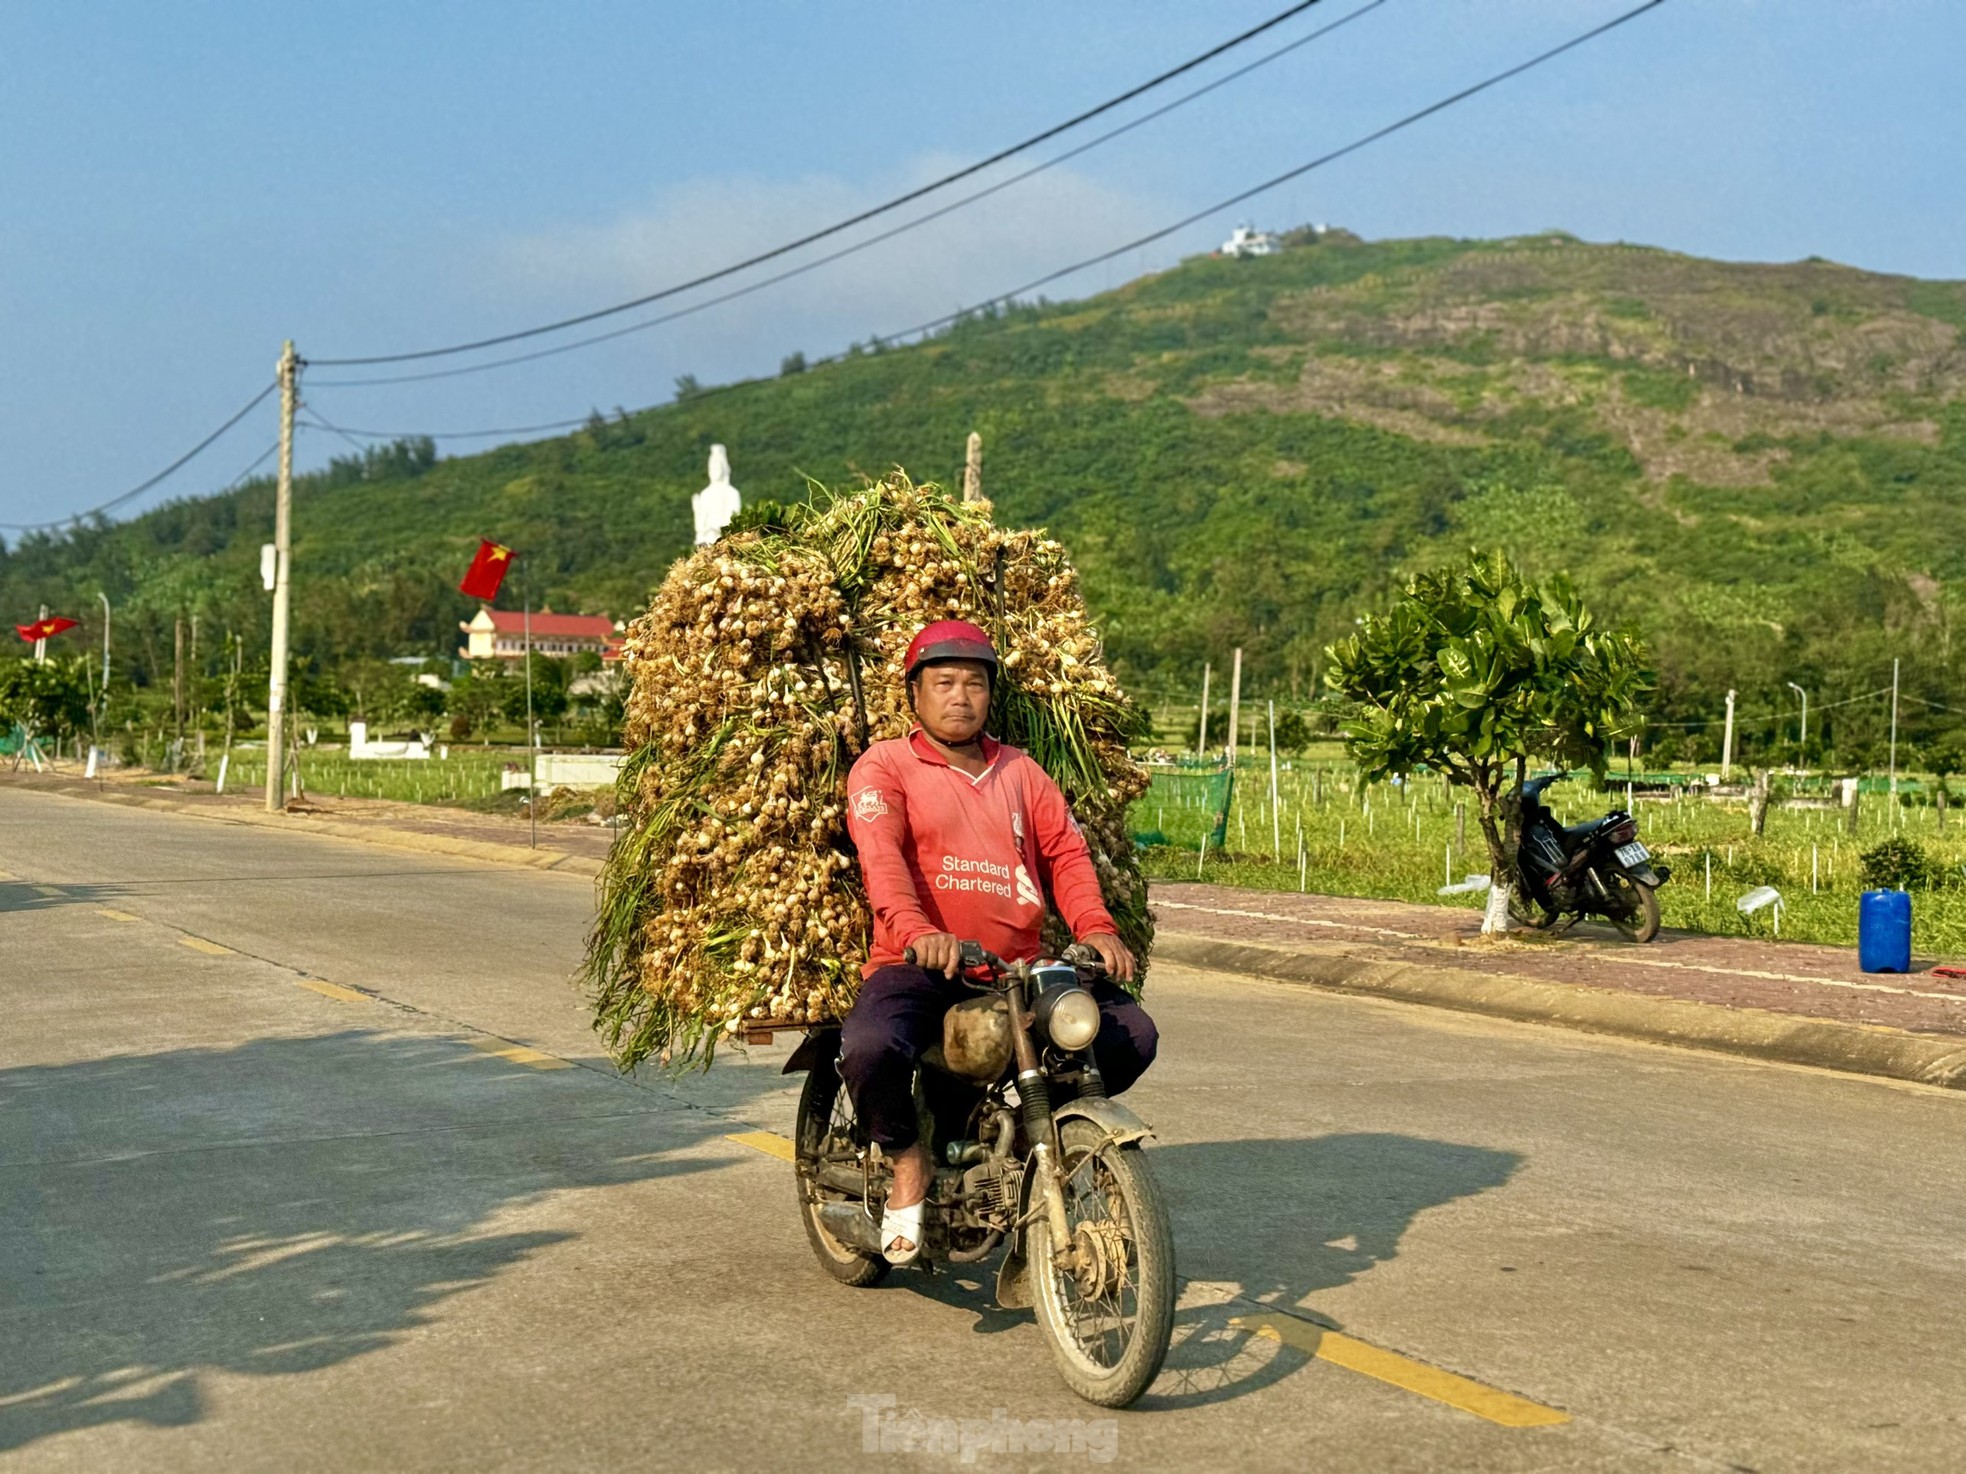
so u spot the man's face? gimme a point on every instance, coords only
(953, 701)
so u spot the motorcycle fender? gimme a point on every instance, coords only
(1014, 1279)
(1122, 1127)
(1120, 1124)
(817, 1045)
(1645, 875)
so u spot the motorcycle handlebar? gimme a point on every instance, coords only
(975, 958)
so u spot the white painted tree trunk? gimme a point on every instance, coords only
(1496, 918)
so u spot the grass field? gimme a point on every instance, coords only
(1392, 842)
(469, 774)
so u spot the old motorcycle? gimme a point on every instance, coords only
(1595, 869)
(1029, 1153)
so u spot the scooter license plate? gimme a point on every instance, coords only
(1633, 853)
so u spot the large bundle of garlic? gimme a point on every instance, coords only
(763, 668)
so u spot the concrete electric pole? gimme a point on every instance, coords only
(1235, 703)
(973, 468)
(1802, 741)
(276, 679)
(1727, 741)
(1201, 737)
(1894, 744)
(105, 644)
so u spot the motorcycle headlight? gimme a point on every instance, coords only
(1071, 1018)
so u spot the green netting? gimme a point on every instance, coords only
(1186, 803)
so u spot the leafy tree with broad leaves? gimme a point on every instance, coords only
(46, 699)
(1473, 673)
(1293, 732)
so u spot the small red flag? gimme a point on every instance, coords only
(53, 625)
(487, 571)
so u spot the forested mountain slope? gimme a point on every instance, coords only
(1762, 468)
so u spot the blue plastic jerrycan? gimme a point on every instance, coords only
(1884, 931)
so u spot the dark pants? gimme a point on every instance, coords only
(898, 1015)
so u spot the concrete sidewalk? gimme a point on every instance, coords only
(1795, 1002)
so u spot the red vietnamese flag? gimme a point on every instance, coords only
(44, 628)
(487, 571)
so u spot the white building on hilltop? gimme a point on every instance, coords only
(1247, 240)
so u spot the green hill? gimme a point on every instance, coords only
(1762, 468)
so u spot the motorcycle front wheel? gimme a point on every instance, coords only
(1638, 920)
(825, 1134)
(1109, 1318)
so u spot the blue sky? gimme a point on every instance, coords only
(182, 186)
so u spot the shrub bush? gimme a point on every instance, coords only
(1899, 864)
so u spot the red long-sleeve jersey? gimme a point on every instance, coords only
(941, 851)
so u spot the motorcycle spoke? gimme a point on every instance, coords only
(1101, 1325)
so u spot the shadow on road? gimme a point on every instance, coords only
(1271, 1222)
(277, 1207)
(1275, 1222)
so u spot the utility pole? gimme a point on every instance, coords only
(105, 646)
(532, 738)
(973, 468)
(1201, 741)
(1894, 743)
(1235, 703)
(283, 508)
(177, 694)
(1802, 742)
(1727, 741)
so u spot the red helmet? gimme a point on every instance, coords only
(950, 639)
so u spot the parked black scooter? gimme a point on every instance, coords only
(1579, 870)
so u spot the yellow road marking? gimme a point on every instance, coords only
(1354, 1355)
(768, 1142)
(116, 915)
(52, 892)
(332, 990)
(520, 1054)
(210, 949)
(1349, 1352)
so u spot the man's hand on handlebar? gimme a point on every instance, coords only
(939, 951)
(1113, 953)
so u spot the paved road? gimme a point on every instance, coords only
(253, 1218)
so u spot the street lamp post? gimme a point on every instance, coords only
(1802, 742)
(105, 643)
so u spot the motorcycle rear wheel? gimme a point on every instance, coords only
(1109, 1337)
(826, 1126)
(1640, 922)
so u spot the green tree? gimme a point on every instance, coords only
(474, 699)
(48, 699)
(550, 678)
(1475, 671)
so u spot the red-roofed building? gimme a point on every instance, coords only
(500, 634)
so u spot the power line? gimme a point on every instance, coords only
(858, 246)
(881, 209)
(259, 460)
(1289, 174)
(1004, 297)
(447, 434)
(138, 490)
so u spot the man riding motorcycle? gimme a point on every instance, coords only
(960, 838)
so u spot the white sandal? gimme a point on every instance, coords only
(906, 1224)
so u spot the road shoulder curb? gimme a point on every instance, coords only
(1864, 1049)
(559, 861)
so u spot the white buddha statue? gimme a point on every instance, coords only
(718, 502)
